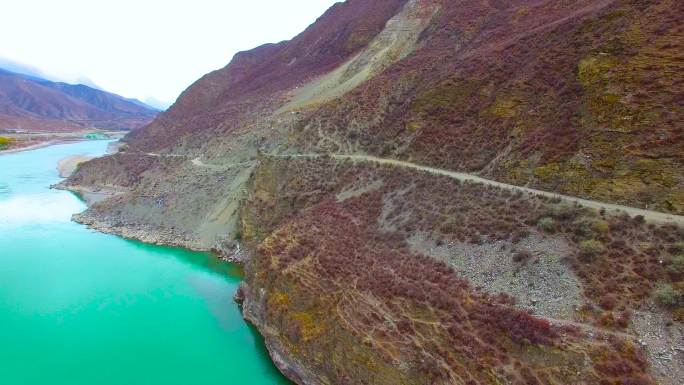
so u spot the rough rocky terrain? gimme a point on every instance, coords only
(344, 168)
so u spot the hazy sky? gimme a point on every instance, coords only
(144, 48)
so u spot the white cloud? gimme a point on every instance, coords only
(144, 48)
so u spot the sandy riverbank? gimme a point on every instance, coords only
(40, 140)
(68, 165)
(33, 146)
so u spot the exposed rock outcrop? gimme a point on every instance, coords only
(367, 273)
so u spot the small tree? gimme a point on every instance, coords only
(600, 226)
(547, 224)
(6, 142)
(668, 296)
(676, 267)
(589, 249)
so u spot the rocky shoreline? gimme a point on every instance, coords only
(252, 311)
(146, 234)
(139, 233)
(251, 307)
(276, 311)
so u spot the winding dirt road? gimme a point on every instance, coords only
(649, 215)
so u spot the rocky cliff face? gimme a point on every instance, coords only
(358, 277)
(361, 273)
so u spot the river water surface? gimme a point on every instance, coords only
(82, 308)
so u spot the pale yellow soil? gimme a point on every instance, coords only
(68, 165)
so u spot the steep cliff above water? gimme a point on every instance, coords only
(358, 276)
(579, 97)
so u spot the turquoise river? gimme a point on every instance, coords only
(82, 308)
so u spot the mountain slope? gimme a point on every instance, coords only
(363, 272)
(579, 97)
(258, 77)
(32, 103)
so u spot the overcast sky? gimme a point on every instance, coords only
(146, 49)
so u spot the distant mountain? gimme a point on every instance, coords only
(20, 68)
(158, 104)
(32, 103)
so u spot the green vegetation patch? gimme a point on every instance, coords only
(6, 142)
(666, 295)
(444, 96)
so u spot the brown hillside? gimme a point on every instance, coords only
(360, 272)
(33, 104)
(581, 97)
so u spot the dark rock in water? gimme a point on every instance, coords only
(239, 296)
